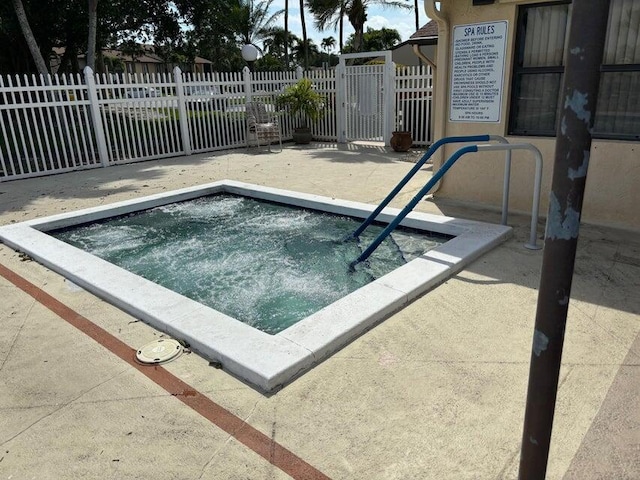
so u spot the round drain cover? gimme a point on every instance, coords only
(159, 351)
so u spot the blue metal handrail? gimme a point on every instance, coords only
(532, 245)
(432, 149)
(414, 201)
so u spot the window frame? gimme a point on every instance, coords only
(518, 71)
(617, 68)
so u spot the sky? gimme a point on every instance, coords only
(377, 17)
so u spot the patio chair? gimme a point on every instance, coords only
(263, 127)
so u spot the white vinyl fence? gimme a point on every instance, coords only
(61, 123)
(45, 126)
(414, 92)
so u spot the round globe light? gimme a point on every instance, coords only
(249, 53)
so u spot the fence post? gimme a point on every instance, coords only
(248, 89)
(182, 112)
(299, 72)
(389, 117)
(96, 119)
(432, 111)
(341, 108)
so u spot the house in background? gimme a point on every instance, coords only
(145, 61)
(500, 68)
(425, 40)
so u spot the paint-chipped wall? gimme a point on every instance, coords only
(613, 184)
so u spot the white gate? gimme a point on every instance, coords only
(366, 99)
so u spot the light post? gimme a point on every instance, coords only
(249, 54)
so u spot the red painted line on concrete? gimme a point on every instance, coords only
(260, 443)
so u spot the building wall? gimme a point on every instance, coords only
(612, 194)
(405, 56)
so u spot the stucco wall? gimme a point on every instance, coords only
(612, 195)
(405, 56)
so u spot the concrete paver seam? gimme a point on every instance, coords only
(249, 436)
(15, 338)
(60, 407)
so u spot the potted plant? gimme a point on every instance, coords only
(305, 104)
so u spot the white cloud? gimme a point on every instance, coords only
(404, 28)
(378, 21)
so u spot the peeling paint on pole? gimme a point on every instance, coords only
(540, 342)
(561, 225)
(581, 171)
(576, 102)
(573, 144)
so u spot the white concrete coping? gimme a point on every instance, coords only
(262, 360)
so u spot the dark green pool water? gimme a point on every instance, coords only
(265, 264)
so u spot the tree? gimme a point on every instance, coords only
(304, 35)
(72, 35)
(279, 42)
(219, 29)
(268, 63)
(305, 50)
(169, 42)
(215, 29)
(132, 49)
(77, 23)
(286, 33)
(252, 21)
(214, 32)
(91, 39)
(330, 12)
(376, 40)
(327, 44)
(38, 59)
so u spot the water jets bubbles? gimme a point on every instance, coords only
(264, 264)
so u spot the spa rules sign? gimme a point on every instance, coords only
(477, 76)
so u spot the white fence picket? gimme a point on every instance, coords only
(56, 124)
(414, 94)
(44, 126)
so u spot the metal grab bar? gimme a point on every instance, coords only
(414, 201)
(440, 173)
(537, 185)
(428, 154)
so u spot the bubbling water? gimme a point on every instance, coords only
(264, 264)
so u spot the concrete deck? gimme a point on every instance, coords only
(436, 391)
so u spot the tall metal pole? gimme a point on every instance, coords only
(573, 144)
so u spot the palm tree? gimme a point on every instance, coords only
(303, 49)
(286, 34)
(279, 42)
(254, 21)
(329, 13)
(376, 40)
(327, 44)
(304, 35)
(38, 59)
(91, 40)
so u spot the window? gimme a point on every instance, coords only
(618, 110)
(538, 71)
(538, 68)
